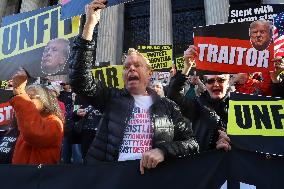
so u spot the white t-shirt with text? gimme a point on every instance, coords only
(138, 133)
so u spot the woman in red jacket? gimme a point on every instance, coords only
(40, 123)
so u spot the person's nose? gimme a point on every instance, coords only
(258, 34)
(47, 53)
(132, 68)
(50, 51)
(216, 83)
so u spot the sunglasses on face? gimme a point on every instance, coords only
(213, 80)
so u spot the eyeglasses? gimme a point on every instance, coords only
(213, 80)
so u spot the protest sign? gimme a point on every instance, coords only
(256, 123)
(236, 169)
(179, 61)
(163, 77)
(8, 133)
(73, 8)
(159, 56)
(271, 12)
(24, 41)
(253, 13)
(6, 110)
(110, 76)
(222, 49)
(3, 84)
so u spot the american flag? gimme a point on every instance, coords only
(279, 35)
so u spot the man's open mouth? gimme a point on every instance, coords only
(216, 90)
(133, 78)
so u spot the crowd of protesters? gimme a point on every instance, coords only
(188, 117)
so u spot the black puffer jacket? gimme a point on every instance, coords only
(171, 133)
(207, 115)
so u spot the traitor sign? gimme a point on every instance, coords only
(228, 48)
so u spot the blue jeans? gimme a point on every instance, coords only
(71, 153)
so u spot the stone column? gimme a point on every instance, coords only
(3, 6)
(28, 5)
(272, 1)
(216, 11)
(110, 35)
(161, 29)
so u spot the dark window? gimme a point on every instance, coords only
(186, 15)
(136, 24)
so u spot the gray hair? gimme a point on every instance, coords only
(158, 83)
(262, 22)
(65, 49)
(49, 101)
(63, 41)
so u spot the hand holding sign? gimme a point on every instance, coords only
(93, 11)
(19, 81)
(76, 7)
(279, 67)
(189, 57)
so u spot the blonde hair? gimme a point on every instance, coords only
(132, 51)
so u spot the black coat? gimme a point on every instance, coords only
(207, 115)
(278, 89)
(172, 134)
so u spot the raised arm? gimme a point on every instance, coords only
(82, 55)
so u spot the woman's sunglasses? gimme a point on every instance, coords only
(213, 80)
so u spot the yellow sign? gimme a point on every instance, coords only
(3, 84)
(110, 76)
(35, 32)
(160, 56)
(180, 63)
(262, 118)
